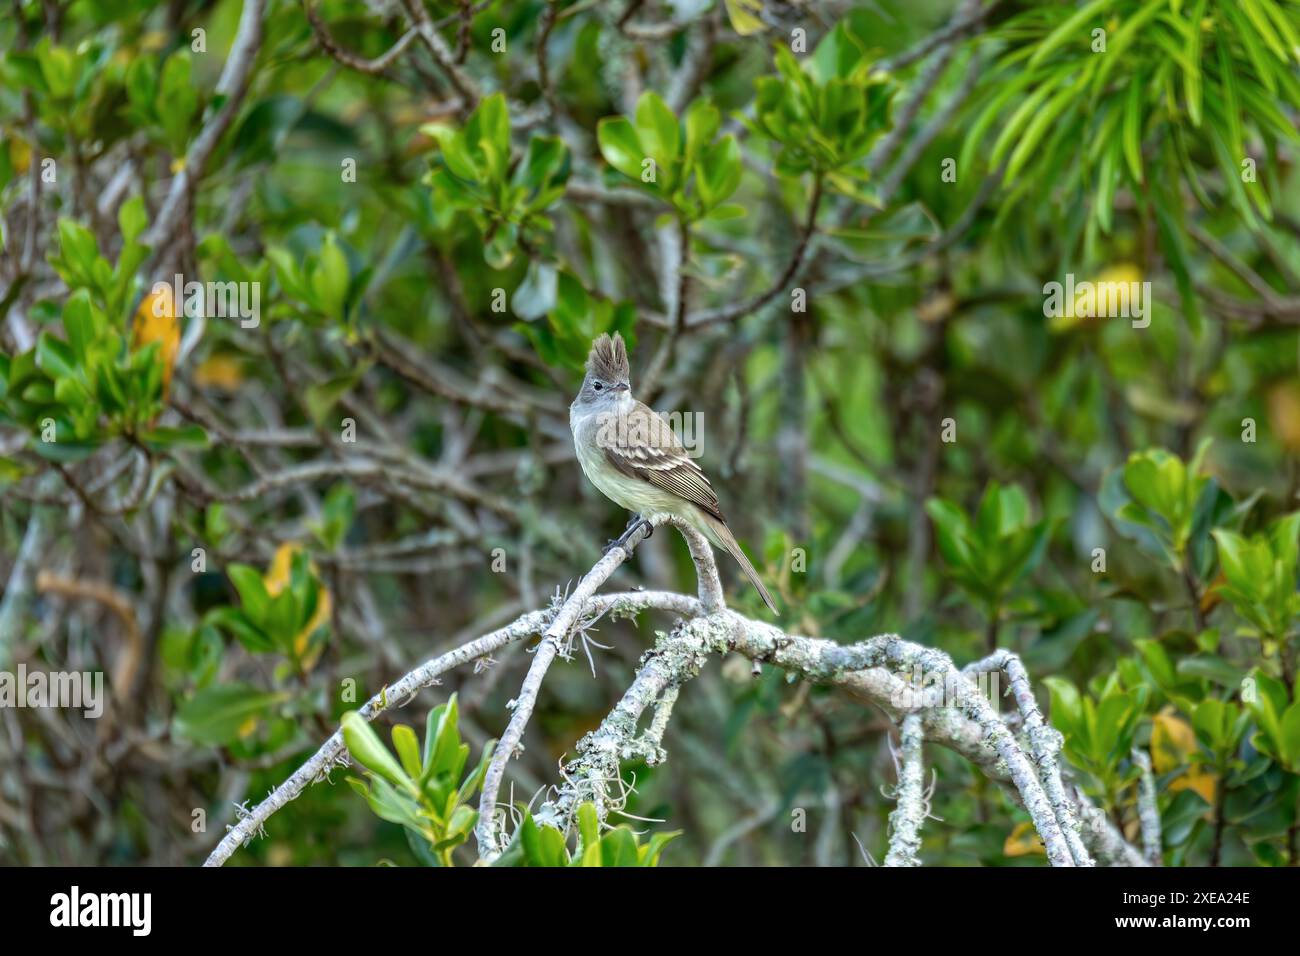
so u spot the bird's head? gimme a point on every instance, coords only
(607, 383)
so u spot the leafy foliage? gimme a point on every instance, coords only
(425, 790)
(545, 845)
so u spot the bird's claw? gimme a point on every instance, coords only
(632, 527)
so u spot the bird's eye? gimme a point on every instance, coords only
(597, 386)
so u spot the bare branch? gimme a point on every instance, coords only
(348, 58)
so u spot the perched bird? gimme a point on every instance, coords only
(631, 454)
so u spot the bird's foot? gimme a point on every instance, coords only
(635, 522)
(633, 525)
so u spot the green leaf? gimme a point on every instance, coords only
(652, 851)
(489, 131)
(719, 172)
(1075, 27)
(165, 438)
(245, 630)
(218, 716)
(408, 749)
(131, 218)
(1232, 549)
(55, 357)
(1192, 74)
(588, 824)
(743, 21)
(446, 757)
(1133, 128)
(329, 280)
(368, 750)
(1157, 661)
(620, 146)
(657, 129)
(252, 592)
(1264, 27)
(1119, 43)
(77, 245)
(618, 848)
(702, 123)
(1066, 712)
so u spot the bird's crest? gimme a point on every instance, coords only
(608, 359)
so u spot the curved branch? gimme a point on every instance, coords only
(1045, 743)
(347, 57)
(793, 268)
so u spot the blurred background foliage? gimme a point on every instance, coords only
(840, 259)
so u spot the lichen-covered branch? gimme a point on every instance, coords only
(1148, 809)
(905, 821)
(557, 636)
(1102, 837)
(1045, 744)
(594, 772)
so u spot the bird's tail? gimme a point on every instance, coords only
(723, 537)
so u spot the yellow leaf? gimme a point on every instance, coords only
(276, 580)
(1200, 781)
(20, 155)
(247, 727)
(223, 372)
(301, 646)
(1172, 741)
(1023, 841)
(1213, 596)
(277, 574)
(155, 321)
(1284, 413)
(936, 308)
(742, 20)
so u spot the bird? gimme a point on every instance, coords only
(633, 457)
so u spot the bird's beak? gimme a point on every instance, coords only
(620, 387)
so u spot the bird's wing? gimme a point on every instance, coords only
(645, 447)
